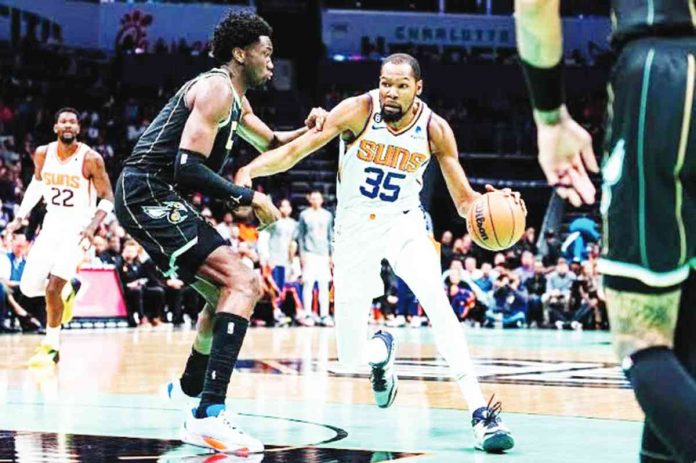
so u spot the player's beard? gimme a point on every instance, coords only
(68, 141)
(392, 116)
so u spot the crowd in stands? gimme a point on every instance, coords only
(486, 289)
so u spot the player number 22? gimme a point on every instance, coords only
(62, 197)
(379, 184)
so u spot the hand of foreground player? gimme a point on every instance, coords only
(515, 195)
(265, 210)
(565, 155)
(242, 177)
(316, 119)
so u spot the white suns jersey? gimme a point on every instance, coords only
(70, 197)
(383, 169)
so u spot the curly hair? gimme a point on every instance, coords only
(237, 30)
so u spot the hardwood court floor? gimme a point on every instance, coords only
(562, 392)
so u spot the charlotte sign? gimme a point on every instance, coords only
(343, 29)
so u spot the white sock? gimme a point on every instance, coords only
(377, 351)
(419, 266)
(53, 337)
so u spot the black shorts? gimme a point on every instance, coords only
(649, 170)
(172, 231)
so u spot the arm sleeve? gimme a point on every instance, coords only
(191, 172)
(31, 197)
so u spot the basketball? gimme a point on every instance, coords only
(495, 222)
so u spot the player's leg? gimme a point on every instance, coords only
(239, 289)
(33, 284)
(648, 241)
(418, 264)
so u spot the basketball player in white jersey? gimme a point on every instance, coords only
(69, 176)
(388, 137)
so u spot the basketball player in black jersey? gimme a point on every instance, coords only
(648, 196)
(184, 150)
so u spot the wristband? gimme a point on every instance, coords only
(545, 86)
(105, 205)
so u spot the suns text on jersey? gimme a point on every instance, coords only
(64, 180)
(392, 156)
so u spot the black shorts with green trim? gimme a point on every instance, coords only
(171, 231)
(649, 191)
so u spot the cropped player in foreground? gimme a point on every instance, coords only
(648, 197)
(184, 150)
(387, 139)
(69, 176)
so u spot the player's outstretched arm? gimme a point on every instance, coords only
(33, 193)
(95, 170)
(565, 148)
(347, 116)
(263, 138)
(210, 101)
(444, 147)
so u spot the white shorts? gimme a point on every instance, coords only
(54, 252)
(362, 240)
(316, 268)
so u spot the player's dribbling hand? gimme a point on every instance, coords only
(265, 210)
(86, 237)
(565, 155)
(316, 119)
(242, 178)
(515, 195)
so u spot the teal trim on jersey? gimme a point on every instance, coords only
(641, 156)
(175, 255)
(636, 272)
(650, 18)
(692, 263)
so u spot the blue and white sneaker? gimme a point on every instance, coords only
(218, 431)
(385, 383)
(490, 434)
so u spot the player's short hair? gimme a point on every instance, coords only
(66, 109)
(237, 30)
(405, 58)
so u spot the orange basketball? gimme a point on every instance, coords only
(495, 222)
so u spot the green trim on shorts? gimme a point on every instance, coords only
(681, 154)
(648, 277)
(650, 17)
(175, 255)
(641, 156)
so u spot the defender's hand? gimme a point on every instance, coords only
(316, 119)
(242, 178)
(265, 210)
(565, 155)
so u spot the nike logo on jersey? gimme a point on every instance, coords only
(392, 156)
(378, 127)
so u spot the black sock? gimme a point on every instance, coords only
(228, 336)
(192, 379)
(652, 449)
(667, 395)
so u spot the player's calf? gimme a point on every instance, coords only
(643, 325)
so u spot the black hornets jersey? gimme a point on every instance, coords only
(157, 148)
